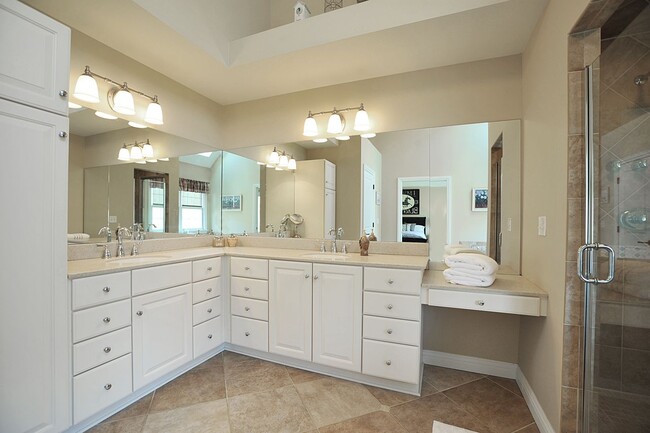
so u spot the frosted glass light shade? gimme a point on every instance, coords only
(136, 153)
(292, 163)
(147, 150)
(342, 137)
(122, 101)
(361, 121)
(105, 115)
(274, 157)
(136, 125)
(154, 114)
(320, 140)
(310, 129)
(284, 161)
(369, 135)
(73, 105)
(86, 89)
(124, 154)
(335, 124)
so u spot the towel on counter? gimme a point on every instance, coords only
(78, 236)
(452, 249)
(475, 264)
(439, 427)
(462, 278)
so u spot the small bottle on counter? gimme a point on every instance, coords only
(218, 241)
(232, 241)
(371, 236)
(364, 243)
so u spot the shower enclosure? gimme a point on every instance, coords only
(615, 260)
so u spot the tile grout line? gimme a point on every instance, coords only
(524, 428)
(467, 412)
(510, 391)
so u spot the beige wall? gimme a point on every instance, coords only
(544, 193)
(76, 185)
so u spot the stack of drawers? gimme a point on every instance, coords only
(101, 333)
(207, 308)
(391, 324)
(249, 306)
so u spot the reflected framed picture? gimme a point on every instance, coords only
(410, 202)
(479, 199)
(231, 202)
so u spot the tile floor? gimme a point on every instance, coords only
(237, 394)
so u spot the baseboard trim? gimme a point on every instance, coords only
(470, 363)
(542, 421)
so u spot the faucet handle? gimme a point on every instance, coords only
(339, 233)
(322, 246)
(344, 248)
(107, 252)
(106, 231)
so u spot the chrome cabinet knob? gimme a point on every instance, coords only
(63, 93)
(108, 386)
(139, 313)
(209, 310)
(247, 308)
(107, 319)
(209, 336)
(247, 268)
(480, 303)
(315, 277)
(247, 289)
(209, 268)
(389, 306)
(390, 281)
(306, 276)
(247, 333)
(63, 134)
(107, 349)
(389, 331)
(210, 290)
(388, 362)
(106, 289)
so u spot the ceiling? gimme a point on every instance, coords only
(224, 51)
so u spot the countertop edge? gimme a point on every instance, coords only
(503, 285)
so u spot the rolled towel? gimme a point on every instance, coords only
(78, 236)
(457, 276)
(475, 264)
(452, 249)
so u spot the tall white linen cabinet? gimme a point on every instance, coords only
(34, 329)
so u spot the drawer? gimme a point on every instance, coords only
(393, 306)
(251, 308)
(249, 288)
(99, 350)
(391, 361)
(91, 291)
(525, 305)
(392, 280)
(207, 336)
(206, 289)
(100, 387)
(100, 320)
(206, 310)
(250, 268)
(391, 330)
(207, 268)
(250, 333)
(160, 277)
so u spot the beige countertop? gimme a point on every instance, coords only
(90, 267)
(503, 285)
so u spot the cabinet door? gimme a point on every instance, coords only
(329, 217)
(330, 175)
(162, 333)
(337, 316)
(290, 309)
(35, 53)
(34, 336)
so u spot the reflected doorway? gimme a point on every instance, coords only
(151, 200)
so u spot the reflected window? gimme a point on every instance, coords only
(193, 211)
(156, 208)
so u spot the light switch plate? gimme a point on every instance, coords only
(112, 219)
(541, 226)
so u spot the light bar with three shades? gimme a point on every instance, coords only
(336, 124)
(138, 152)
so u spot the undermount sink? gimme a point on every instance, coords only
(326, 256)
(139, 259)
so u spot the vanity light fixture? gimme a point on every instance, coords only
(274, 157)
(279, 160)
(336, 122)
(292, 164)
(342, 137)
(136, 125)
(140, 152)
(120, 96)
(320, 140)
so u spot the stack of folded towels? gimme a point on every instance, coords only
(78, 236)
(468, 267)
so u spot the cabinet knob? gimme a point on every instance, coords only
(247, 268)
(389, 306)
(389, 331)
(315, 277)
(106, 289)
(390, 281)
(209, 336)
(306, 275)
(480, 303)
(108, 386)
(139, 313)
(388, 362)
(210, 290)
(209, 268)
(63, 134)
(107, 319)
(247, 289)
(247, 333)
(247, 308)
(107, 349)
(209, 310)
(63, 93)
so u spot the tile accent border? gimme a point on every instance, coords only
(470, 363)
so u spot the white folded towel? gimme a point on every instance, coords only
(452, 249)
(476, 264)
(78, 236)
(439, 427)
(457, 276)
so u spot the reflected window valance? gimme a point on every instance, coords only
(191, 185)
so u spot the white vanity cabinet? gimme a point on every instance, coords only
(162, 321)
(337, 315)
(290, 309)
(249, 306)
(207, 308)
(392, 324)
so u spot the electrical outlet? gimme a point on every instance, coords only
(112, 219)
(541, 226)
(509, 224)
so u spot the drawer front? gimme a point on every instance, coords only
(100, 387)
(251, 308)
(207, 289)
(91, 291)
(160, 277)
(391, 361)
(392, 280)
(99, 350)
(207, 268)
(250, 333)
(249, 268)
(393, 306)
(249, 288)
(206, 310)
(524, 305)
(391, 330)
(207, 336)
(100, 320)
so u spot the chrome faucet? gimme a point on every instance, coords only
(333, 233)
(120, 232)
(106, 231)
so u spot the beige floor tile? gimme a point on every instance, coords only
(529, 429)
(444, 378)
(127, 425)
(509, 384)
(332, 400)
(215, 362)
(195, 386)
(244, 377)
(499, 409)
(375, 422)
(139, 408)
(300, 376)
(279, 410)
(393, 398)
(209, 417)
(418, 415)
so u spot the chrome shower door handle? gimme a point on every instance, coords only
(611, 256)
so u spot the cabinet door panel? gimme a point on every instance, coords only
(337, 316)
(162, 333)
(290, 309)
